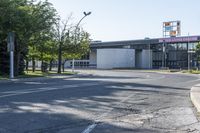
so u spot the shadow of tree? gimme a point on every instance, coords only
(74, 108)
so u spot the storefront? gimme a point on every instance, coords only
(176, 52)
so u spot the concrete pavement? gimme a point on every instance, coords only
(195, 96)
(100, 102)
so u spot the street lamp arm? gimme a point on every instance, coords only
(75, 42)
(85, 15)
(80, 21)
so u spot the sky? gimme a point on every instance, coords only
(113, 20)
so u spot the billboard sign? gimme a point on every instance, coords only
(171, 29)
(168, 28)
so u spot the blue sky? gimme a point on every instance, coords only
(131, 19)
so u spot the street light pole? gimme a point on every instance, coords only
(85, 15)
(163, 58)
(188, 54)
(188, 61)
(150, 57)
(11, 50)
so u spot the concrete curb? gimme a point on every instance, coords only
(5, 80)
(56, 76)
(22, 79)
(39, 78)
(195, 96)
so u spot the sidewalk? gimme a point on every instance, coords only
(195, 96)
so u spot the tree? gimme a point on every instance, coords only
(47, 52)
(61, 32)
(198, 52)
(77, 49)
(44, 17)
(27, 19)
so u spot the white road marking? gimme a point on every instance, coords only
(90, 128)
(98, 119)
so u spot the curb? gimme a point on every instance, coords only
(44, 78)
(31, 79)
(195, 96)
(5, 80)
(22, 79)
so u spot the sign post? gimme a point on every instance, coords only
(10, 47)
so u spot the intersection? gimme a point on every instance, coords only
(100, 101)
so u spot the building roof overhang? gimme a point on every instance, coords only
(181, 39)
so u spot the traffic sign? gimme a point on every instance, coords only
(10, 41)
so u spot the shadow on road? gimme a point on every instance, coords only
(73, 109)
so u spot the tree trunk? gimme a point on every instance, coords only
(16, 59)
(59, 58)
(4, 61)
(33, 64)
(17, 63)
(63, 65)
(42, 66)
(50, 65)
(27, 65)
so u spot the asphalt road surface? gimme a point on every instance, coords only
(100, 102)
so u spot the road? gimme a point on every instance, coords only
(100, 101)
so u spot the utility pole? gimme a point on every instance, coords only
(188, 60)
(150, 56)
(10, 47)
(188, 54)
(163, 58)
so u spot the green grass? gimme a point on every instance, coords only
(3, 77)
(30, 74)
(191, 71)
(38, 73)
(157, 70)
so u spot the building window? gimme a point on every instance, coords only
(192, 46)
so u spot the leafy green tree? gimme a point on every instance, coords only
(33, 54)
(51, 53)
(26, 19)
(44, 19)
(75, 49)
(61, 34)
(198, 52)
